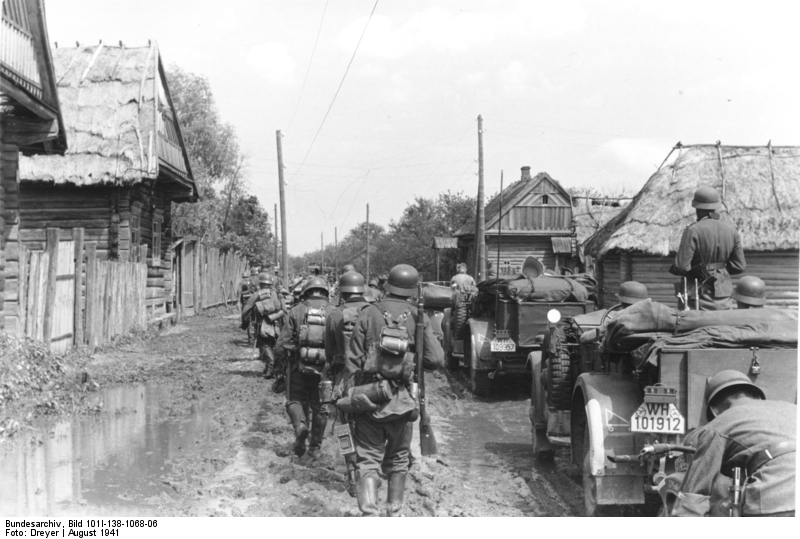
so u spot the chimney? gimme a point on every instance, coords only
(526, 173)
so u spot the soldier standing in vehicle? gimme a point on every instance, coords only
(750, 293)
(745, 431)
(383, 435)
(709, 253)
(266, 306)
(461, 281)
(302, 345)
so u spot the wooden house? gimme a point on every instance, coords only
(126, 166)
(31, 123)
(760, 188)
(536, 220)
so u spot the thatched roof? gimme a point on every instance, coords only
(761, 193)
(512, 195)
(590, 214)
(112, 99)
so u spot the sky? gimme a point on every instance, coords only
(593, 93)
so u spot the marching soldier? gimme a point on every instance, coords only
(302, 345)
(383, 434)
(266, 306)
(750, 293)
(338, 330)
(375, 292)
(744, 431)
(709, 253)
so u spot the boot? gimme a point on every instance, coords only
(295, 411)
(367, 496)
(394, 499)
(319, 420)
(279, 385)
(266, 357)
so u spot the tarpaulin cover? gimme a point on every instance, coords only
(545, 289)
(436, 296)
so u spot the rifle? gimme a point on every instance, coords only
(427, 440)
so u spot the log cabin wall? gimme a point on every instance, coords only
(515, 249)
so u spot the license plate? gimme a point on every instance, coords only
(503, 345)
(659, 417)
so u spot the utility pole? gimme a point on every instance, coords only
(277, 260)
(367, 276)
(284, 255)
(335, 246)
(480, 222)
(321, 254)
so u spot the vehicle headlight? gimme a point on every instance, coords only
(553, 316)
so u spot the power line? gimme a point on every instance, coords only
(335, 95)
(308, 69)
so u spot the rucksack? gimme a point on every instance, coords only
(311, 341)
(391, 357)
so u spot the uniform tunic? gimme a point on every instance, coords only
(710, 241)
(462, 281)
(304, 388)
(266, 342)
(734, 436)
(384, 444)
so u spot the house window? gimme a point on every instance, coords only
(156, 255)
(545, 199)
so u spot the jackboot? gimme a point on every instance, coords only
(267, 358)
(318, 423)
(295, 411)
(394, 499)
(367, 496)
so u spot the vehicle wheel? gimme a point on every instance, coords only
(590, 486)
(559, 376)
(458, 319)
(480, 383)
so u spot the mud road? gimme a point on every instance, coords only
(182, 424)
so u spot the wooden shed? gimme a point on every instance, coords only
(536, 220)
(125, 167)
(30, 122)
(760, 188)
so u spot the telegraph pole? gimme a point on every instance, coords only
(321, 254)
(480, 223)
(367, 276)
(284, 255)
(335, 246)
(277, 260)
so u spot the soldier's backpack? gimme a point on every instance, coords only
(391, 357)
(311, 341)
(349, 318)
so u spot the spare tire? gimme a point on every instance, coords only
(458, 316)
(559, 376)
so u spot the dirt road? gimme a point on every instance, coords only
(183, 425)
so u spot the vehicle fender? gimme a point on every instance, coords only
(481, 332)
(609, 401)
(538, 410)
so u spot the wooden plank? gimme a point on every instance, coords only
(50, 294)
(91, 260)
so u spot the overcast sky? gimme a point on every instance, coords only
(594, 93)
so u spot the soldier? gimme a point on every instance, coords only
(347, 268)
(709, 253)
(462, 281)
(750, 293)
(630, 292)
(744, 431)
(338, 330)
(303, 337)
(383, 435)
(375, 293)
(267, 307)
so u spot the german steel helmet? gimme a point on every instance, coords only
(402, 281)
(374, 282)
(348, 268)
(352, 282)
(632, 292)
(750, 290)
(315, 283)
(723, 380)
(264, 278)
(706, 198)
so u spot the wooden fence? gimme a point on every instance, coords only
(68, 297)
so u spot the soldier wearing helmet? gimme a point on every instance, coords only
(383, 435)
(338, 330)
(630, 292)
(302, 346)
(744, 431)
(710, 252)
(374, 292)
(347, 268)
(266, 308)
(750, 293)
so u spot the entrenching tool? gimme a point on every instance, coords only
(427, 440)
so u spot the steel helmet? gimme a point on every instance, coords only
(402, 281)
(706, 198)
(750, 290)
(264, 278)
(352, 282)
(315, 283)
(373, 282)
(253, 271)
(632, 292)
(347, 268)
(723, 380)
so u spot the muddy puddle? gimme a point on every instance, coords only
(111, 462)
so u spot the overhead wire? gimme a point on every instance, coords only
(308, 69)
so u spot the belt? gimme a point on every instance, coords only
(716, 265)
(765, 455)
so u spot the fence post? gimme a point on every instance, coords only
(50, 292)
(77, 321)
(91, 284)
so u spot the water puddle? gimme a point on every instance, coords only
(108, 463)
